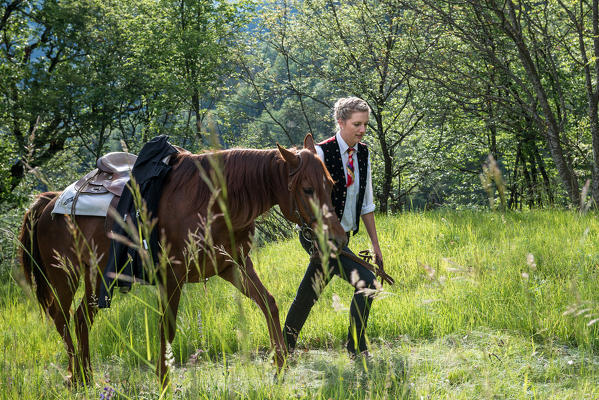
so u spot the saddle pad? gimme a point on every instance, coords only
(87, 204)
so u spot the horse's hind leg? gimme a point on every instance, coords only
(59, 311)
(248, 282)
(84, 318)
(170, 295)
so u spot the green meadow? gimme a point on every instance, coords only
(485, 305)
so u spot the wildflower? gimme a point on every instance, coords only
(593, 321)
(356, 281)
(430, 271)
(169, 358)
(318, 282)
(194, 357)
(107, 393)
(377, 285)
(530, 260)
(200, 324)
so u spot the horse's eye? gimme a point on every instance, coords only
(309, 191)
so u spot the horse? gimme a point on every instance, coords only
(190, 206)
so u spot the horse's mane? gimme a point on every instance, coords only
(250, 174)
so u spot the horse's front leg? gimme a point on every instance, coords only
(248, 282)
(170, 293)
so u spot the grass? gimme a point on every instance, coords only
(486, 305)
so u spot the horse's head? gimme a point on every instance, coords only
(309, 194)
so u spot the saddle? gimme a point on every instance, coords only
(111, 175)
(109, 178)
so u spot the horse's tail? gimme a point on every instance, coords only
(33, 267)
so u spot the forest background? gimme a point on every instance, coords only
(449, 83)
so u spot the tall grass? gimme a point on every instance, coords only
(485, 304)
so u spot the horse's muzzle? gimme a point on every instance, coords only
(340, 241)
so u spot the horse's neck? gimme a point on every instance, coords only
(262, 186)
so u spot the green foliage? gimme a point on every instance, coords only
(328, 50)
(510, 69)
(87, 74)
(9, 229)
(447, 82)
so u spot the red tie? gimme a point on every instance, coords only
(350, 166)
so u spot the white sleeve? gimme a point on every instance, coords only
(368, 203)
(319, 152)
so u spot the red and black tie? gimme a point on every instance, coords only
(350, 166)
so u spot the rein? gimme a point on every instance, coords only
(364, 259)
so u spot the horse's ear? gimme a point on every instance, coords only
(309, 143)
(289, 157)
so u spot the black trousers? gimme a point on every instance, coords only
(314, 282)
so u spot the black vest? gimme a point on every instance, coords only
(333, 162)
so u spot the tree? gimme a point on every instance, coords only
(86, 72)
(191, 49)
(352, 48)
(35, 114)
(584, 52)
(515, 70)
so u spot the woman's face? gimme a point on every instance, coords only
(353, 129)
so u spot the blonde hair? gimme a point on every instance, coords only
(346, 106)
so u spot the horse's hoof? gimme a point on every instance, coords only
(75, 380)
(278, 376)
(69, 381)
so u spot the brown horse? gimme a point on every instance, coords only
(255, 180)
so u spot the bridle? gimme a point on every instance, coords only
(298, 206)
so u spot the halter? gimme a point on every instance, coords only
(305, 226)
(296, 170)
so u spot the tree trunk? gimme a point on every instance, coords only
(398, 207)
(595, 136)
(387, 165)
(513, 201)
(195, 102)
(529, 191)
(593, 98)
(549, 125)
(535, 184)
(543, 170)
(491, 126)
